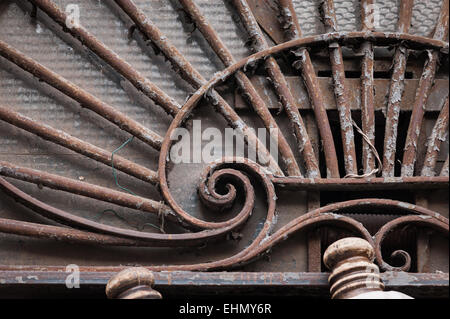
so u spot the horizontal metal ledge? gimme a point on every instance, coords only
(437, 95)
(358, 184)
(215, 279)
(182, 283)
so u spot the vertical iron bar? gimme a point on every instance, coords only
(367, 88)
(194, 78)
(425, 84)
(434, 141)
(281, 87)
(396, 89)
(303, 63)
(340, 91)
(244, 83)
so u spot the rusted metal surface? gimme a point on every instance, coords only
(85, 99)
(396, 90)
(282, 89)
(234, 184)
(367, 89)
(244, 83)
(341, 91)
(180, 117)
(358, 184)
(191, 75)
(426, 81)
(81, 188)
(289, 283)
(197, 283)
(439, 224)
(303, 63)
(315, 217)
(140, 82)
(437, 136)
(436, 98)
(59, 137)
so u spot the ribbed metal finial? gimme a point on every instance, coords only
(353, 271)
(132, 283)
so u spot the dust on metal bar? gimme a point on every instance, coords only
(63, 234)
(84, 189)
(150, 239)
(367, 89)
(358, 184)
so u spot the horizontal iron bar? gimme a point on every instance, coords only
(437, 95)
(357, 184)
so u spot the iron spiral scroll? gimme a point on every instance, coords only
(239, 175)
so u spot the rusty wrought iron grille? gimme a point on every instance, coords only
(361, 122)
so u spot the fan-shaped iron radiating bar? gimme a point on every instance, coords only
(120, 65)
(143, 84)
(396, 89)
(303, 63)
(84, 189)
(425, 84)
(434, 141)
(367, 88)
(340, 90)
(444, 170)
(234, 171)
(77, 145)
(244, 83)
(194, 78)
(83, 97)
(281, 88)
(153, 239)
